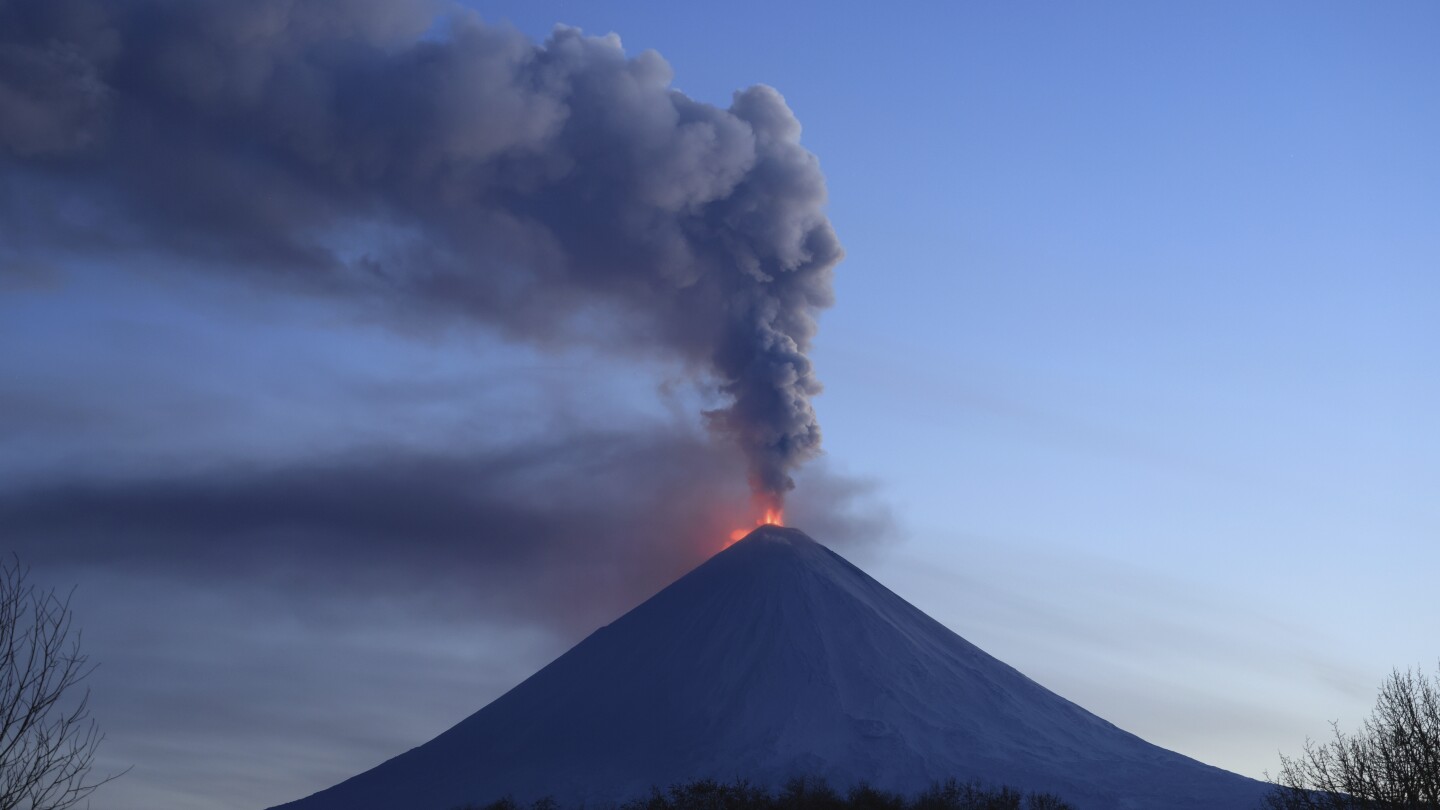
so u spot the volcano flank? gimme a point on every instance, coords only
(774, 659)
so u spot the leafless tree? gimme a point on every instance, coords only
(1393, 762)
(47, 738)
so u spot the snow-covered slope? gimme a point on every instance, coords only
(778, 658)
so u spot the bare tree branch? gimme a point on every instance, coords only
(47, 737)
(1392, 763)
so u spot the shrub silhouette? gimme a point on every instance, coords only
(809, 794)
(814, 794)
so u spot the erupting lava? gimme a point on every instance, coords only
(774, 516)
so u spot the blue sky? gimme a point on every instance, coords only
(1135, 339)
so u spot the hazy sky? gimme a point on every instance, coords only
(1129, 380)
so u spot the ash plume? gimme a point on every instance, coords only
(432, 168)
(554, 533)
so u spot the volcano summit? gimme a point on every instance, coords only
(778, 658)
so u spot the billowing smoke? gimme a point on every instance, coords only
(431, 167)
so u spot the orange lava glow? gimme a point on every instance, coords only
(774, 516)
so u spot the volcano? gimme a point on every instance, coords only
(777, 658)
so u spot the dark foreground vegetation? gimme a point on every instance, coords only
(816, 794)
(1391, 763)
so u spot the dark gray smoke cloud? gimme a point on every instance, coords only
(560, 533)
(433, 167)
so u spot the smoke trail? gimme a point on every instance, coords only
(442, 166)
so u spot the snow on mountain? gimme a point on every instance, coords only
(778, 658)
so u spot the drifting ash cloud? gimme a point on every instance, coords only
(562, 535)
(510, 533)
(434, 167)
